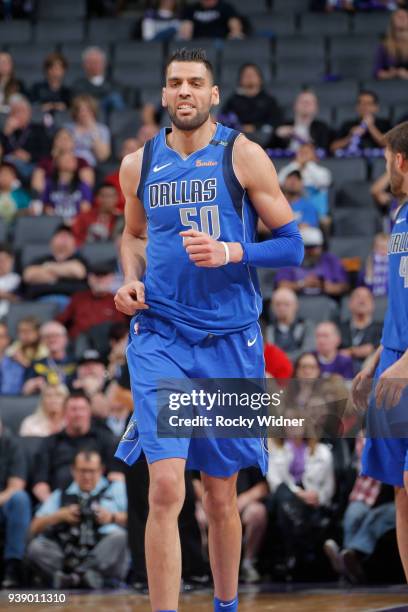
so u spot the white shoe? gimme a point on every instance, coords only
(332, 550)
(248, 571)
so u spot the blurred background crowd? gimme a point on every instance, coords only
(316, 84)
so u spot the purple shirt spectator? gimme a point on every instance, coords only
(65, 200)
(328, 268)
(385, 61)
(341, 364)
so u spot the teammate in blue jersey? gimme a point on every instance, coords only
(385, 455)
(194, 194)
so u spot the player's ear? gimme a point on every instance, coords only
(164, 97)
(215, 95)
(399, 161)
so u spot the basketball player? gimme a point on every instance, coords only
(385, 455)
(199, 188)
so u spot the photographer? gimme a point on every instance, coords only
(80, 538)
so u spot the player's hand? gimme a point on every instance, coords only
(361, 388)
(391, 385)
(130, 298)
(203, 251)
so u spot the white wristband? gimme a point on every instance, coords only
(227, 253)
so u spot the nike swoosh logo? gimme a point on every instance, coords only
(224, 605)
(399, 221)
(158, 168)
(252, 342)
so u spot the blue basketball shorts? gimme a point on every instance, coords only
(385, 454)
(158, 350)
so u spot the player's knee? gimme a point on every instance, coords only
(220, 505)
(166, 492)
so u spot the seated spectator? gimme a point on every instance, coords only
(9, 280)
(15, 507)
(24, 143)
(305, 127)
(331, 360)
(80, 537)
(92, 139)
(98, 223)
(391, 61)
(305, 383)
(301, 480)
(369, 515)
(48, 418)
(58, 368)
(57, 452)
(65, 195)
(211, 19)
(360, 335)
(92, 379)
(287, 330)
(9, 84)
(118, 339)
(130, 145)
(366, 131)
(113, 406)
(28, 346)
(51, 93)
(251, 107)
(94, 305)
(58, 275)
(14, 200)
(320, 273)
(63, 143)
(374, 274)
(11, 371)
(95, 84)
(303, 210)
(316, 178)
(161, 23)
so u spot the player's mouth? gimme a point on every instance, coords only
(185, 108)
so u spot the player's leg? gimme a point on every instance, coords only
(224, 534)
(401, 507)
(162, 541)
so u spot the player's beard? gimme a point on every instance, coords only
(188, 124)
(396, 183)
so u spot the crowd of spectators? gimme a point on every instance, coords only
(61, 491)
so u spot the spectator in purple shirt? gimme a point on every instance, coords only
(391, 61)
(321, 273)
(374, 274)
(330, 359)
(65, 194)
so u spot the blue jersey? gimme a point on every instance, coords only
(200, 192)
(395, 334)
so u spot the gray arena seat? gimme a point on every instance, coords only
(317, 308)
(353, 46)
(35, 230)
(62, 9)
(43, 311)
(317, 24)
(110, 29)
(350, 247)
(139, 75)
(15, 31)
(14, 409)
(333, 94)
(125, 123)
(288, 6)
(31, 252)
(399, 112)
(99, 252)
(356, 67)
(370, 23)
(377, 168)
(254, 49)
(138, 52)
(354, 194)
(273, 24)
(344, 170)
(59, 31)
(389, 92)
(299, 47)
(298, 72)
(30, 55)
(352, 222)
(249, 8)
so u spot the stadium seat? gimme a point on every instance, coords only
(14, 409)
(138, 52)
(3, 231)
(62, 9)
(337, 93)
(285, 94)
(370, 23)
(29, 74)
(354, 194)
(43, 311)
(125, 123)
(249, 8)
(99, 252)
(58, 32)
(35, 230)
(356, 67)
(31, 252)
(399, 112)
(273, 25)
(15, 31)
(254, 50)
(344, 170)
(377, 168)
(139, 75)
(110, 29)
(316, 24)
(298, 72)
(288, 6)
(30, 55)
(317, 308)
(350, 247)
(299, 47)
(355, 222)
(353, 46)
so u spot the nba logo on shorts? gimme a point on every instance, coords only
(136, 328)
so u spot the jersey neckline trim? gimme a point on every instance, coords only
(166, 130)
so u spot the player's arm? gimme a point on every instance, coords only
(131, 296)
(362, 383)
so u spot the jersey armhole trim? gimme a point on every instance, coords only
(146, 161)
(236, 190)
